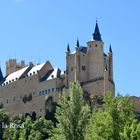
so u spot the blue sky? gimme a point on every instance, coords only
(39, 30)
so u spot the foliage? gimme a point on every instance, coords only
(115, 121)
(4, 120)
(72, 114)
(111, 118)
(31, 130)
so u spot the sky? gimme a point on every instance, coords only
(39, 30)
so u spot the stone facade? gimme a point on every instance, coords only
(32, 88)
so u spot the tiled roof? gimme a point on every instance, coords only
(83, 49)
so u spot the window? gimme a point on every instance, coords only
(40, 109)
(34, 72)
(52, 89)
(71, 68)
(42, 92)
(14, 99)
(7, 101)
(83, 67)
(48, 90)
(33, 92)
(39, 93)
(95, 45)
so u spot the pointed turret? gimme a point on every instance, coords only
(68, 48)
(1, 76)
(77, 44)
(96, 34)
(110, 49)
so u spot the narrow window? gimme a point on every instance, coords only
(48, 90)
(40, 109)
(71, 68)
(42, 92)
(52, 89)
(39, 93)
(7, 101)
(83, 68)
(14, 99)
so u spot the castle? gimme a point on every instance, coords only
(25, 87)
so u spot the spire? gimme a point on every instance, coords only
(110, 49)
(96, 34)
(77, 44)
(68, 48)
(1, 75)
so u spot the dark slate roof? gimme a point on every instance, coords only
(110, 49)
(68, 48)
(78, 44)
(96, 34)
(83, 49)
(1, 75)
(105, 54)
(55, 73)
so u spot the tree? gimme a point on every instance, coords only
(72, 114)
(4, 120)
(31, 130)
(114, 121)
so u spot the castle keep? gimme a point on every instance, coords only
(25, 87)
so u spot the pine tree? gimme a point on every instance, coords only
(72, 115)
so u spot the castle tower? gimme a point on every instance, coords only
(95, 55)
(12, 66)
(91, 66)
(73, 64)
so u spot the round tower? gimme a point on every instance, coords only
(95, 55)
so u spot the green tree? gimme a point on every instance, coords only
(72, 115)
(4, 120)
(131, 131)
(115, 121)
(32, 130)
